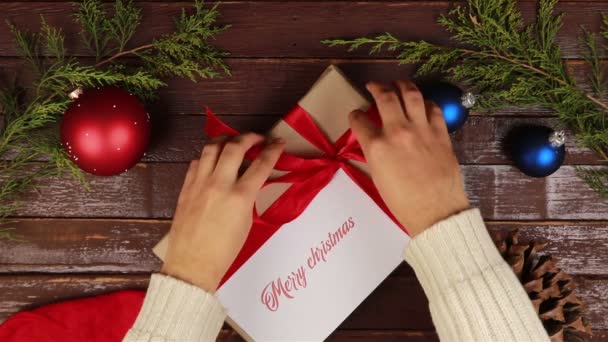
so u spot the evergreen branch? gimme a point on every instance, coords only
(95, 29)
(184, 53)
(28, 44)
(54, 40)
(604, 29)
(6, 235)
(27, 152)
(512, 64)
(596, 77)
(124, 24)
(416, 51)
(539, 72)
(596, 178)
(133, 51)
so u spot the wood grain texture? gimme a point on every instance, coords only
(358, 335)
(295, 29)
(397, 304)
(21, 292)
(272, 86)
(150, 191)
(81, 243)
(124, 246)
(387, 336)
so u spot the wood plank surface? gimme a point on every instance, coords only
(79, 243)
(150, 191)
(296, 28)
(357, 335)
(271, 86)
(124, 246)
(388, 336)
(397, 304)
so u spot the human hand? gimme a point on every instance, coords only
(410, 158)
(214, 209)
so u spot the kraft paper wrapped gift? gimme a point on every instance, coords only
(306, 276)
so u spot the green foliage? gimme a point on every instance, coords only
(185, 52)
(92, 17)
(511, 63)
(596, 178)
(124, 23)
(29, 143)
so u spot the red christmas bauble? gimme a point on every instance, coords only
(105, 131)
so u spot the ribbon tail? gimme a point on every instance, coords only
(214, 127)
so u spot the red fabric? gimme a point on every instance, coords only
(105, 318)
(307, 176)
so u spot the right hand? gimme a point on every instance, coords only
(411, 158)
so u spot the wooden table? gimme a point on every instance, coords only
(83, 243)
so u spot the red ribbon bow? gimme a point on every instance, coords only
(307, 177)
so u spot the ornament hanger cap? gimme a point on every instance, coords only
(468, 100)
(557, 138)
(75, 93)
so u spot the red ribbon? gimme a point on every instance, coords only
(307, 177)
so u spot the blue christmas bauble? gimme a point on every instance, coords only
(537, 151)
(453, 102)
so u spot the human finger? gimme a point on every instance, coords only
(261, 168)
(435, 117)
(389, 105)
(412, 101)
(363, 127)
(232, 155)
(209, 155)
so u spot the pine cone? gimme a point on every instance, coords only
(550, 289)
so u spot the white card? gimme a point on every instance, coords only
(314, 271)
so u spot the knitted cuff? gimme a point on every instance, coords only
(473, 294)
(458, 248)
(177, 311)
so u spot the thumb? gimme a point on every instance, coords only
(363, 127)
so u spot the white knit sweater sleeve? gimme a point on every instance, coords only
(176, 311)
(473, 293)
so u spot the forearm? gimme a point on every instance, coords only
(176, 311)
(473, 294)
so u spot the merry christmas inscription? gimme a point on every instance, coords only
(288, 285)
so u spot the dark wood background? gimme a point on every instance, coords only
(83, 243)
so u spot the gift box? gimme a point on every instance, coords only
(322, 239)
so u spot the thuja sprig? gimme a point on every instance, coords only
(28, 151)
(511, 63)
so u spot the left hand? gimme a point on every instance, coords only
(214, 209)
